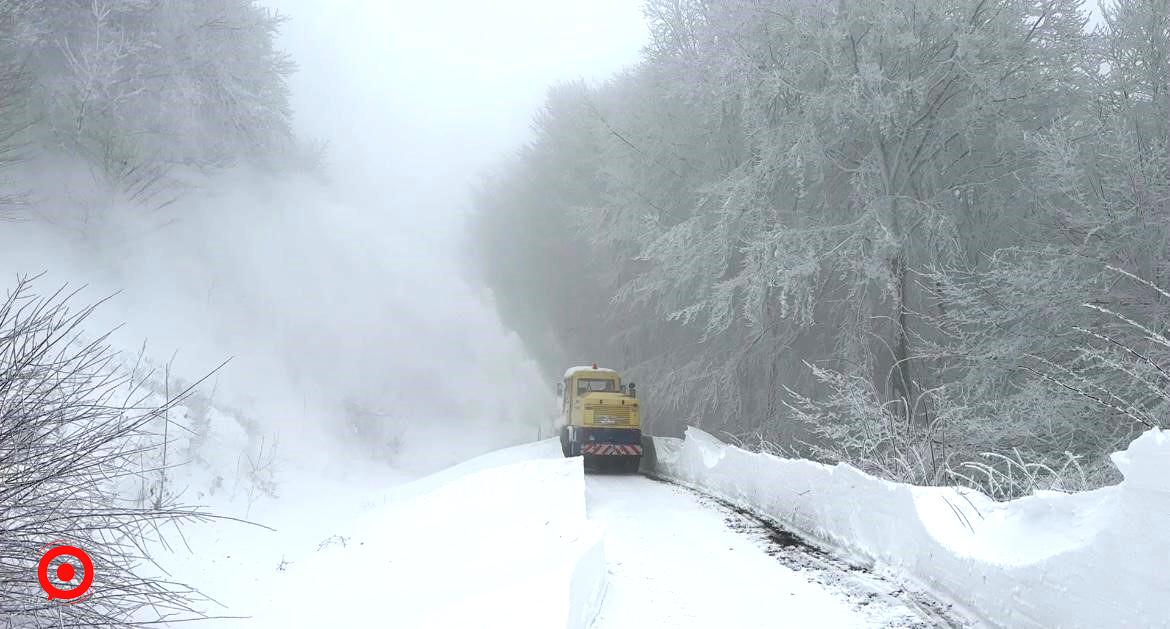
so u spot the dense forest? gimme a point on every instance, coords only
(927, 237)
(139, 88)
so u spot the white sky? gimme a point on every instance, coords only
(417, 98)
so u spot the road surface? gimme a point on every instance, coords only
(679, 559)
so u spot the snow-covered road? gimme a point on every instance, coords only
(678, 559)
(522, 538)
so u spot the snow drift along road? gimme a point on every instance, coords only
(1093, 559)
(494, 544)
(515, 538)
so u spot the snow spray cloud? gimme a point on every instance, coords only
(336, 321)
(341, 304)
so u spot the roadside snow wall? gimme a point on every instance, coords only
(507, 546)
(1093, 559)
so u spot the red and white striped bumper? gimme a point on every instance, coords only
(611, 449)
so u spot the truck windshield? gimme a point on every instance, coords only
(585, 385)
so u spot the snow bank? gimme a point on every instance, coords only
(502, 546)
(537, 450)
(1092, 559)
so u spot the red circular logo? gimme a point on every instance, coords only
(65, 573)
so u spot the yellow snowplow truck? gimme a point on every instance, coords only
(600, 417)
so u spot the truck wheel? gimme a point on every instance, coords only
(631, 464)
(565, 441)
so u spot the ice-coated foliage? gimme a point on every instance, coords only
(894, 232)
(74, 428)
(140, 86)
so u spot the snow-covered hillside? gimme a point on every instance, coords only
(337, 338)
(348, 370)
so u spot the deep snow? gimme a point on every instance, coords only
(520, 537)
(501, 540)
(507, 546)
(1093, 559)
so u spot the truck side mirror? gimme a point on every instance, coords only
(633, 392)
(560, 389)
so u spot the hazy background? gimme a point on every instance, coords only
(893, 234)
(416, 98)
(338, 295)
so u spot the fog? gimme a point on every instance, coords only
(340, 294)
(416, 99)
(924, 242)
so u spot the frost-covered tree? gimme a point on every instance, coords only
(1026, 326)
(13, 97)
(867, 230)
(858, 131)
(139, 85)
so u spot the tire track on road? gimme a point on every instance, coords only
(884, 602)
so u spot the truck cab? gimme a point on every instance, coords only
(600, 418)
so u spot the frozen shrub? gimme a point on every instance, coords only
(72, 428)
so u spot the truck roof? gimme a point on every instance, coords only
(574, 370)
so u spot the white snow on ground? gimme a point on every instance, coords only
(235, 563)
(519, 537)
(502, 547)
(674, 562)
(546, 449)
(1093, 559)
(499, 541)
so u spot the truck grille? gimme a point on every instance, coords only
(605, 415)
